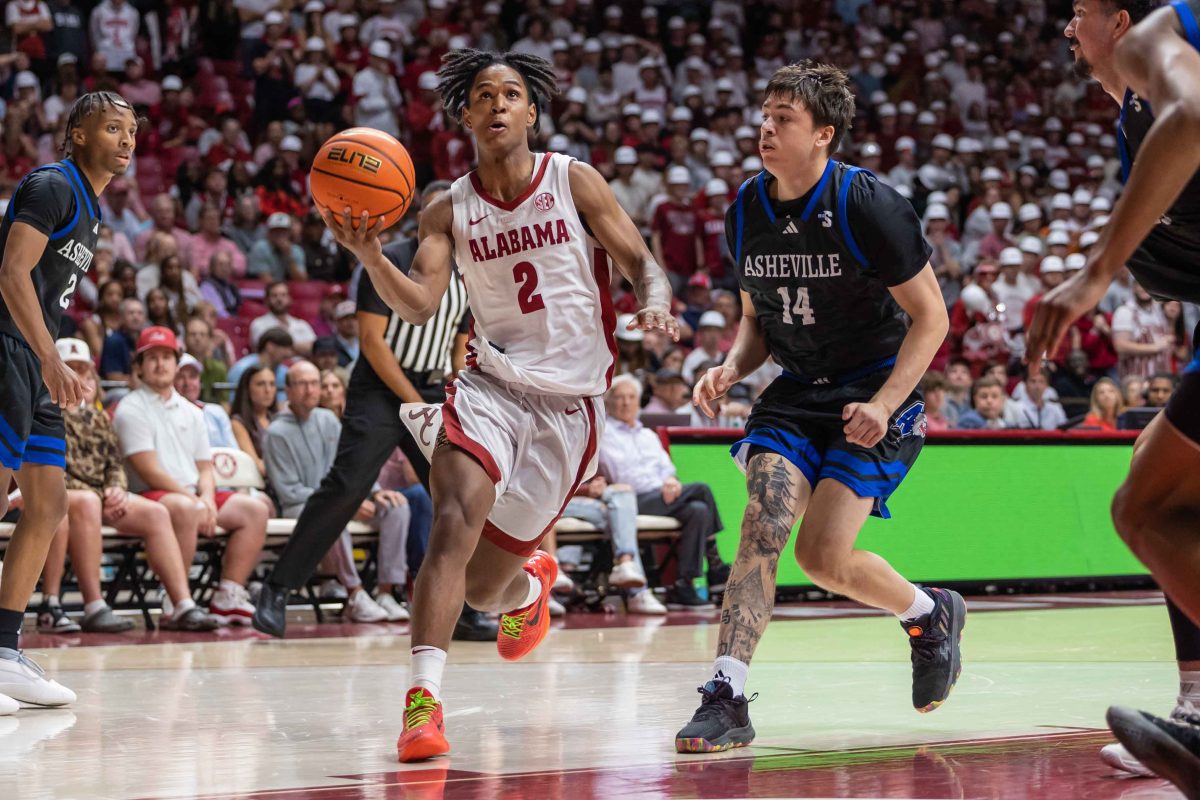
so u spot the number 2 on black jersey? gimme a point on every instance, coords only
(802, 309)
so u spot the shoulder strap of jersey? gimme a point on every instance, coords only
(1122, 143)
(843, 218)
(1187, 18)
(80, 198)
(739, 219)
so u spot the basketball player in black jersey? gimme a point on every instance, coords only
(48, 236)
(1153, 71)
(829, 260)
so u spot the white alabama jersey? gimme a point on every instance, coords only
(537, 283)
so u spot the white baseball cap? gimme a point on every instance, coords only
(625, 156)
(1101, 204)
(172, 83)
(428, 81)
(721, 158)
(1058, 239)
(73, 350)
(1075, 261)
(380, 49)
(905, 143)
(1052, 264)
(711, 319)
(577, 94)
(1082, 197)
(1088, 238)
(937, 211)
(991, 174)
(1061, 202)
(291, 143)
(716, 188)
(1011, 257)
(681, 114)
(1000, 211)
(678, 175)
(559, 143)
(273, 18)
(1031, 245)
(926, 118)
(623, 322)
(26, 80)
(315, 44)
(279, 221)
(189, 360)
(1029, 212)
(751, 164)
(869, 150)
(943, 141)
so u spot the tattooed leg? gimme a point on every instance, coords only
(778, 493)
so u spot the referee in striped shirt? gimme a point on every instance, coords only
(398, 363)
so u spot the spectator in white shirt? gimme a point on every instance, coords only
(114, 28)
(279, 301)
(632, 454)
(187, 383)
(1141, 336)
(164, 440)
(709, 331)
(1037, 410)
(316, 79)
(377, 98)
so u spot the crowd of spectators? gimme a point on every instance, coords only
(969, 108)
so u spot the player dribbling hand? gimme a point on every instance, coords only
(866, 423)
(713, 386)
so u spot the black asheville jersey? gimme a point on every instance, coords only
(818, 270)
(57, 200)
(1166, 262)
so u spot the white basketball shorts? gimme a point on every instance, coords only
(537, 448)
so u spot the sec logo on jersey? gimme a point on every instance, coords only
(544, 201)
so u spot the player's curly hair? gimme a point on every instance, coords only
(461, 67)
(93, 103)
(823, 89)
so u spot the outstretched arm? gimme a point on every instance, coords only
(616, 232)
(417, 295)
(1162, 68)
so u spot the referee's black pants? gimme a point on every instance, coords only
(371, 431)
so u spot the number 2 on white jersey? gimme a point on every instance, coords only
(802, 309)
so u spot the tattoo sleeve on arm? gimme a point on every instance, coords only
(775, 497)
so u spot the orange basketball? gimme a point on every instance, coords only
(367, 170)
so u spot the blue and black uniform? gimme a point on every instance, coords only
(819, 270)
(57, 200)
(1167, 263)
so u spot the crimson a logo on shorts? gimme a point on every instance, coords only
(544, 201)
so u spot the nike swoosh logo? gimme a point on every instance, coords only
(539, 609)
(481, 219)
(574, 410)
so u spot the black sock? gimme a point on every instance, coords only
(1187, 635)
(10, 627)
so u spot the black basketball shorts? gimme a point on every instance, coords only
(803, 423)
(31, 426)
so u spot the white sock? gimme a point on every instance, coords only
(182, 607)
(52, 600)
(94, 607)
(230, 587)
(535, 591)
(1189, 689)
(427, 664)
(736, 671)
(922, 604)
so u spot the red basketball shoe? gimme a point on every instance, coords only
(424, 731)
(523, 629)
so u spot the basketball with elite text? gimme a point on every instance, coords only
(366, 170)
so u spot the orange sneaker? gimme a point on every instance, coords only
(523, 629)
(424, 731)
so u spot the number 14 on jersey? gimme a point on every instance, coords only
(801, 309)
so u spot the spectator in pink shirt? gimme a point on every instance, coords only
(208, 241)
(137, 88)
(162, 214)
(997, 240)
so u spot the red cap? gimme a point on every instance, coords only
(700, 279)
(157, 337)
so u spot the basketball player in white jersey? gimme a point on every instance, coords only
(531, 234)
